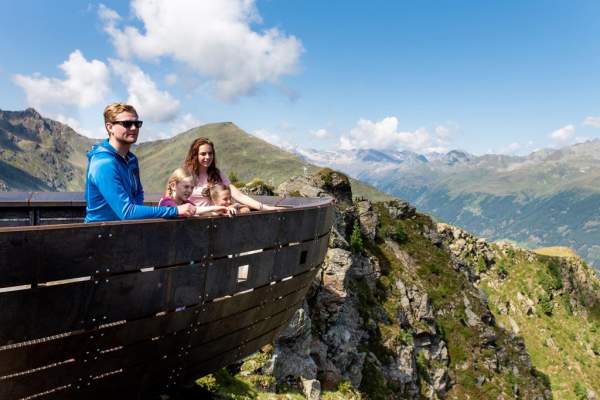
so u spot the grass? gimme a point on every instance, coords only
(556, 251)
(559, 338)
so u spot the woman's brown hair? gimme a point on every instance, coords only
(192, 164)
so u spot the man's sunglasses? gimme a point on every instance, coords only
(129, 124)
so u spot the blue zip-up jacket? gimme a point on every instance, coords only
(113, 190)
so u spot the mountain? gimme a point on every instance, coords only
(407, 308)
(39, 154)
(548, 198)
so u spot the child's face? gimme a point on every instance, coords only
(224, 198)
(183, 189)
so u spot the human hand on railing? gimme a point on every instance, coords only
(186, 210)
(232, 210)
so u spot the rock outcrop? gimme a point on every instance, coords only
(402, 318)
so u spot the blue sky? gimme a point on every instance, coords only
(502, 76)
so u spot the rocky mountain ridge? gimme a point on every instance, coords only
(40, 154)
(427, 310)
(547, 198)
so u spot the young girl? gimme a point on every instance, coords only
(178, 191)
(221, 196)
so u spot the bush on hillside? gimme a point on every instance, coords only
(356, 242)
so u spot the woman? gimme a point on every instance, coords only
(201, 161)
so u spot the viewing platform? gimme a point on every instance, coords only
(131, 309)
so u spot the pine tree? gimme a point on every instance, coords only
(356, 239)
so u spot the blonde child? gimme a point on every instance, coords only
(221, 196)
(178, 191)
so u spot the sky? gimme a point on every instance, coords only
(481, 76)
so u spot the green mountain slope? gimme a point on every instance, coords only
(37, 153)
(238, 152)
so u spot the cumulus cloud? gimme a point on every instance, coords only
(274, 139)
(171, 79)
(320, 133)
(215, 38)
(592, 121)
(86, 83)
(563, 135)
(152, 103)
(187, 122)
(76, 125)
(385, 135)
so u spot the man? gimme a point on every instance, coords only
(113, 188)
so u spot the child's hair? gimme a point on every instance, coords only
(216, 190)
(178, 175)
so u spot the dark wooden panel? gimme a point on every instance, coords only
(234, 339)
(177, 345)
(222, 274)
(219, 309)
(197, 369)
(44, 254)
(14, 199)
(15, 216)
(211, 331)
(327, 220)
(129, 383)
(143, 353)
(299, 225)
(244, 233)
(62, 252)
(29, 384)
(118, 297)
(56, 350)
(41, 312)
(57, 199)
(59, 215)
(57, 309)
(241, 331)
(299, 258)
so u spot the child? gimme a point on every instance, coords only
(178, 191)
(221, 196)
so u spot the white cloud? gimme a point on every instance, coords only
(75, 125)
(563, 135)
(152, 103)
(385, 135)
(442, 132)
(212, 37)
(320, 133)
(274, 139)
(592, 121)
(171, 79)
(86, 83)
(185, 123)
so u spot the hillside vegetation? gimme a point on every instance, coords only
(237, 152)
(407, 308)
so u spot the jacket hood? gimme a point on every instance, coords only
(101, 147)
(105, 147)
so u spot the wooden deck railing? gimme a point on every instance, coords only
(135, 308)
